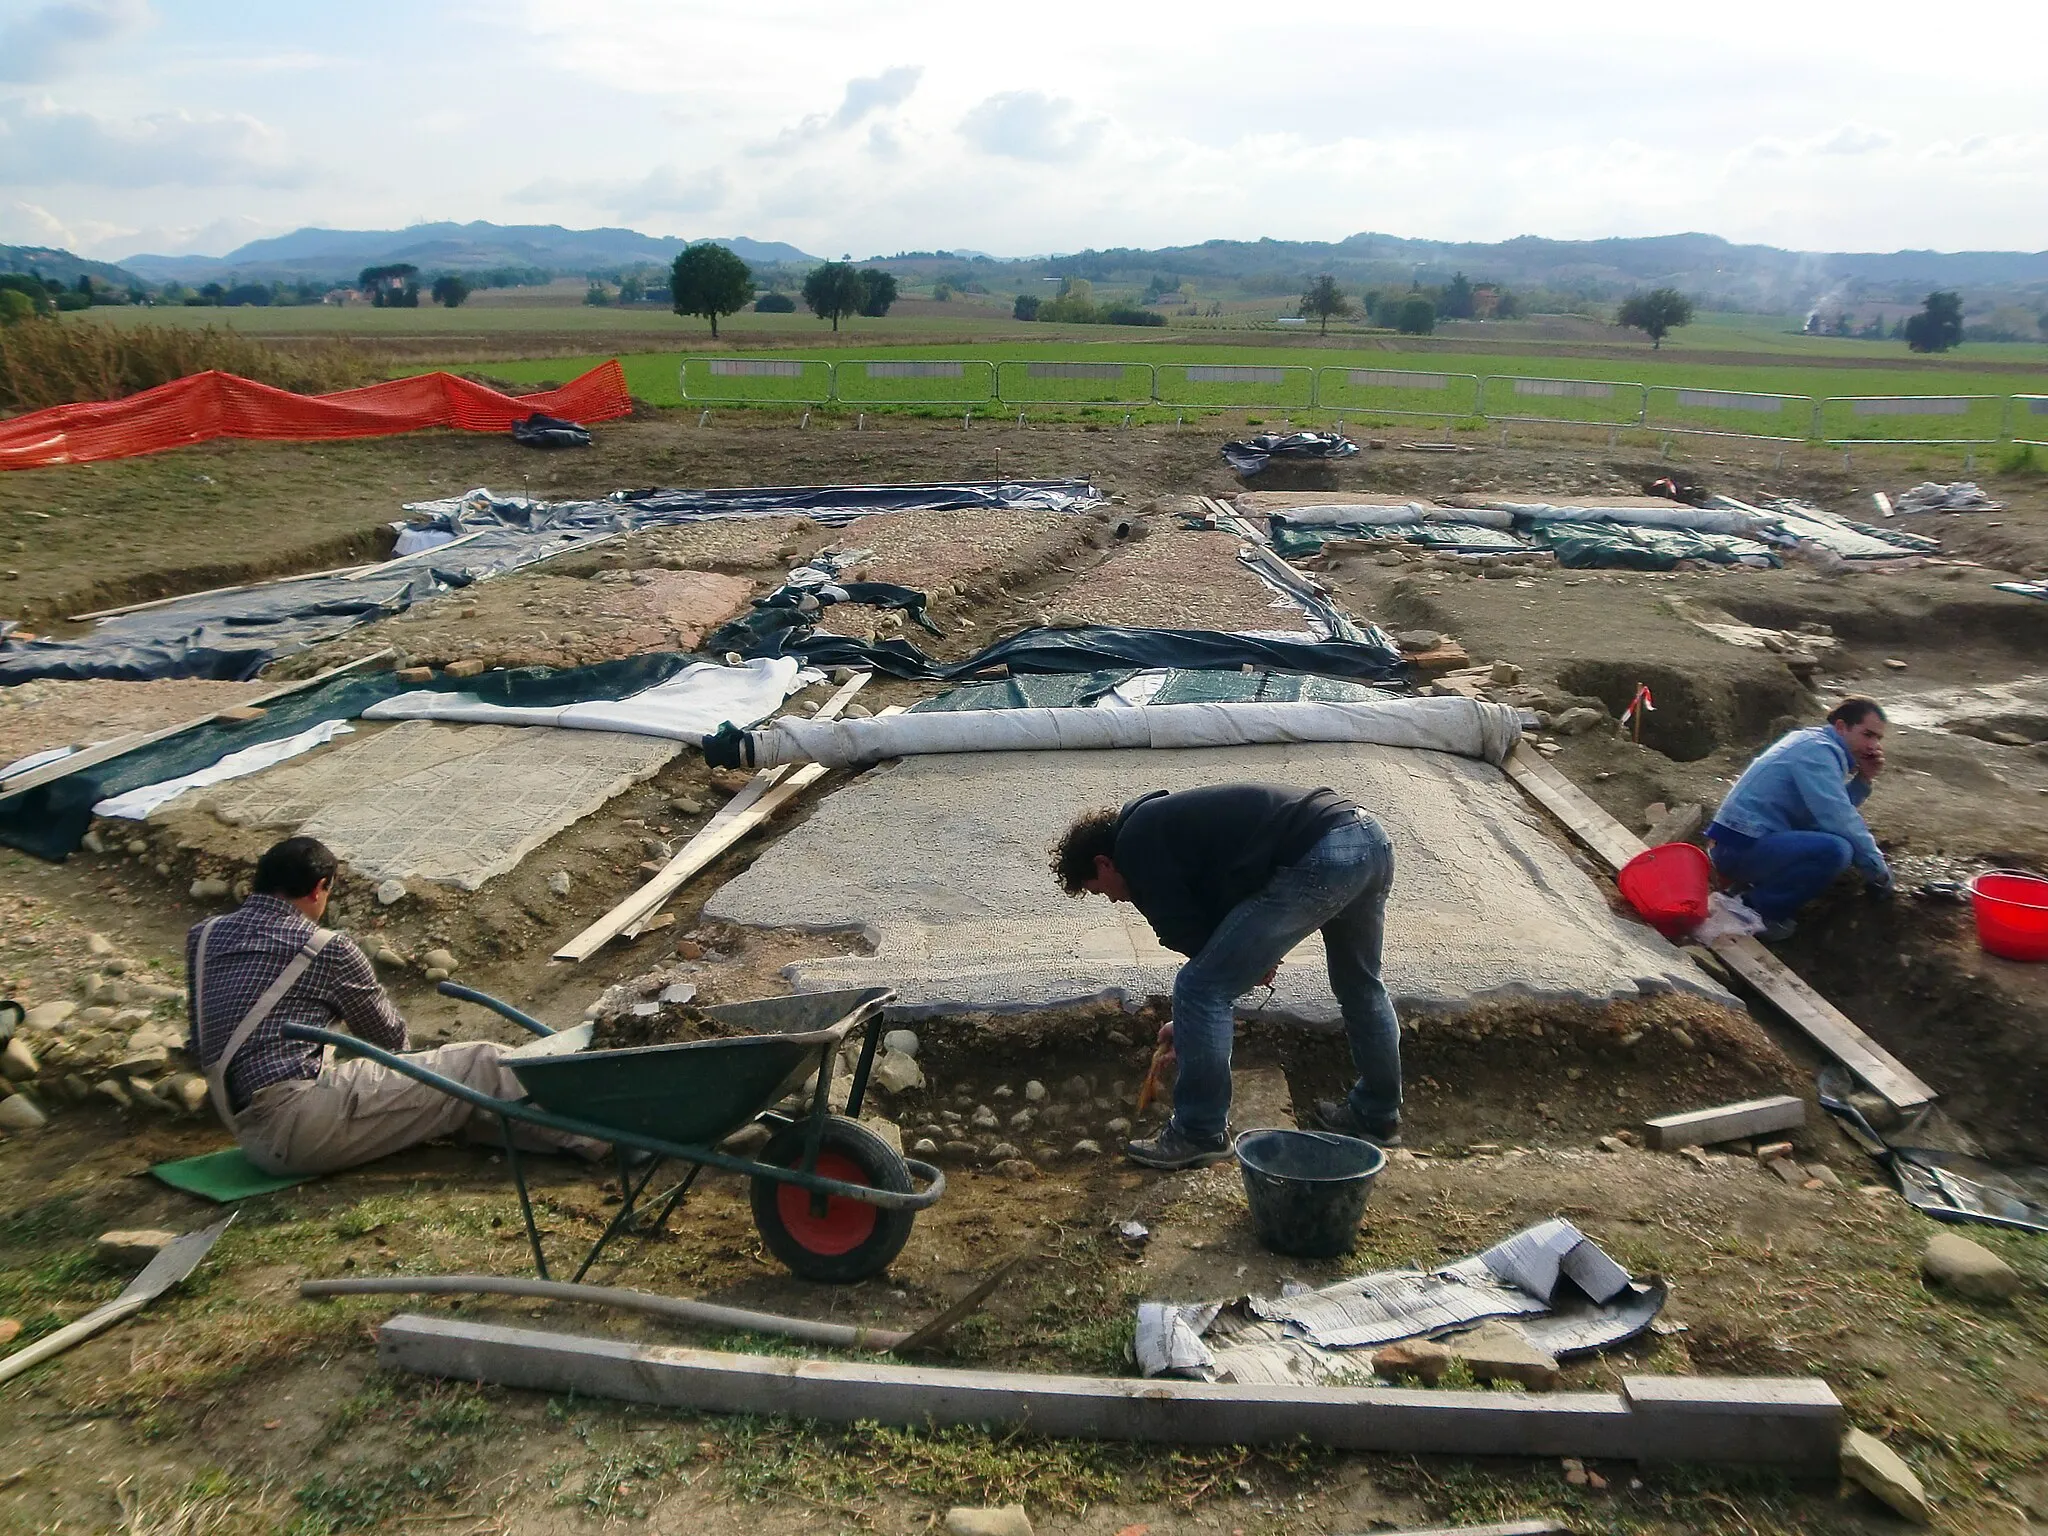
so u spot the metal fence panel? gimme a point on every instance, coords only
(755, 381)
(1912, 419)
(1728, 413)
(1059, 383)
(2029, 414)
(1572, 402)
(1397, 392)
(922, 381)
(1231, 386)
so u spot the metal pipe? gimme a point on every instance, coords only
(839, 1335)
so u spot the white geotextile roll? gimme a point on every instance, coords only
(1463, 727)
(1352, 514)
(1697, 519)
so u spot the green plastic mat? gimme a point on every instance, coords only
(1031, 690)
(1187, 687)
(1622, 546)
(224, 1177)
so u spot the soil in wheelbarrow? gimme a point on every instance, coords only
(662, 1024)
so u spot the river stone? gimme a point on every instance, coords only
(131, 1249)
(48, 1016)
(901, 1041)
(1872, 1465)
(441, 958)
(390, 892)
(894, 1072)
(997, 1520)
(19, 1112)
(1967, 1268)
(18, 1062)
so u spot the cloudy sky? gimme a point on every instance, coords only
(193, 125)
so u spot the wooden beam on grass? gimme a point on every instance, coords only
(91, 757)
(762, 796)
(1827, 1026)
(1794, 1422)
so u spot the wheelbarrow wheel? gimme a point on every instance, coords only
(851, 1240)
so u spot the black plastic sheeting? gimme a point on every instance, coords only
(1943, 1184)
(538, 431)
(1625, 546)
(1096, 648)
(810, 589)
(49, 820)
(1249, 458)
(232, 636)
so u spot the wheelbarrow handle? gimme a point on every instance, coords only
(503, 1010)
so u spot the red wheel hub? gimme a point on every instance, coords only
(846, 1223)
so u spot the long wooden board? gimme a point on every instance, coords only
(1827, 1026)
(1791, 1421)
(64, 767)
(762, 796)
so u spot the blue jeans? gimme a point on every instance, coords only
(1339, 886)
(1783, 870)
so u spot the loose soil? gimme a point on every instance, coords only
(235, 1398)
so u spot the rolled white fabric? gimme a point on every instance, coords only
(1358, 515)
(1460, 726)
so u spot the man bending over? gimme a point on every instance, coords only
(268, 964)
(1794, 820)
(1234, 876)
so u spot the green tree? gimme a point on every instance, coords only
(450, 290)
(395, 286)
(1456, 302)
(1656, 313)
(1026, 307)
(632, 288)
(1322, 299)
(833, 290)
(1417, 316)
(597, 295)
(31, 289)
(708, 280)
(15, 306)
(1938, 326)
(878, 292)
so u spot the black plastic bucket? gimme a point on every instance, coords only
(1307, 1189)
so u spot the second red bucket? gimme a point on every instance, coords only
(1669, 885)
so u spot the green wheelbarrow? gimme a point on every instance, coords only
(832, 1200)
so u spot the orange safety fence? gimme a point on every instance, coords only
(214, 404)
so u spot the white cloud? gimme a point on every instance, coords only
(53, 39)
(663, 190)
(876, 93)
(48, 145)
(1030, 125)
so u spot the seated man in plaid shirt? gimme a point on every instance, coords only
(268, 964)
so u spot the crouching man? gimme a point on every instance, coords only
(1235, 876)
(1794, 820)
(268, 964)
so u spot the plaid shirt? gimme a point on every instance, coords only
(245, 953)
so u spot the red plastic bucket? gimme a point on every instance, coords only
(2012, 914)
(1669, 885)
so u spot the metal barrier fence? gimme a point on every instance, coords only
(1230, 386)
(1062, 383)
(1761, 416)
(1567, 402)
(1398, 392)
(1728, 413)
(1851, 419)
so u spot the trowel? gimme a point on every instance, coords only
(177, 1260)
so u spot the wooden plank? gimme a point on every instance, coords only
(366, 572)
(1537, 1527)
(1412, 1420)
(91, 757)
(1883, 503)
(1828, 1027)
(1586, 821)
(1725, 1122)
(751, 819)
(737, 817)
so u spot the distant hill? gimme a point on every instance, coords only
(1717, 272)
(47, 261)
(342, 253)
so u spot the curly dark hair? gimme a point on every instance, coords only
(1073, 856)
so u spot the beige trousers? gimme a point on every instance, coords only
(361, 1110)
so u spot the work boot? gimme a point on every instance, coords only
(1337, 1115)
(1173, 1148)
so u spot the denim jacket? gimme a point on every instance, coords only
(1805, 782)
